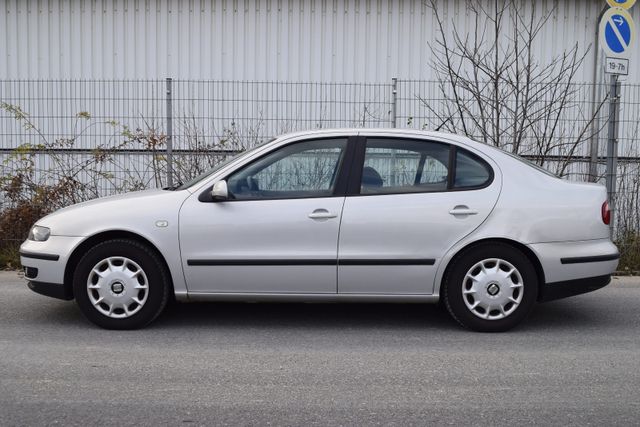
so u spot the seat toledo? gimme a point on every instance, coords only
(337, 215)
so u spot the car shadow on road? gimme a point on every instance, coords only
(555, 315)
(287, 315)
(578, 312)
(582, 312)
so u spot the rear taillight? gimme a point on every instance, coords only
(606, 213)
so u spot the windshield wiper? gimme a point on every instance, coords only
(173, 187)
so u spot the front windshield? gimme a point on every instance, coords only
(219, 166)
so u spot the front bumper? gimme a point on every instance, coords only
(45, 263)
(54, 290)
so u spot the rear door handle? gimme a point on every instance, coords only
(321, 214)
(462, 210)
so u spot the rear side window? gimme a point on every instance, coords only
(396, 166)
(471, 171)
(404, 166)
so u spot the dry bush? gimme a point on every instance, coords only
(495, 89)
(29, 191)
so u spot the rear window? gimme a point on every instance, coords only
(528, 163)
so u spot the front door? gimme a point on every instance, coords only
(277, 233)
(416, 200)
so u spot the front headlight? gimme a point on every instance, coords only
(39, 234)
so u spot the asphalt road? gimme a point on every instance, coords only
(575, 361)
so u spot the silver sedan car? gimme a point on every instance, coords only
(336, 215)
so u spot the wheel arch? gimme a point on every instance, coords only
(91, 241)
(537, 265)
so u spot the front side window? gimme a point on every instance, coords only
(304, 169)
(404, 166)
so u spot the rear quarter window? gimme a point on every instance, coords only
(471, 171)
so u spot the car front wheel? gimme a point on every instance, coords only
(491, 287)
(121, 284)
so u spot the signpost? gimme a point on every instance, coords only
(617, 34)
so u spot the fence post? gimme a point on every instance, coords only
(394, 100)
(595, 136)
(169, 134)
(612, 147)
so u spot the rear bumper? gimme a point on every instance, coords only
(569, 261)
(557, 290)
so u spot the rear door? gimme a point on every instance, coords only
(414, 199)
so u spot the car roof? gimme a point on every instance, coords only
(395, 132)
(378, 131)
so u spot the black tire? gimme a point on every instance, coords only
(454, 280)
(157, 282)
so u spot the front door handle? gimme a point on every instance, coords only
(321, 214)
(462, 210)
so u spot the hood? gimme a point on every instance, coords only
(121, 211)
(134, 195)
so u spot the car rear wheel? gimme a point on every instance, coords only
(121, 284)
(491, 287)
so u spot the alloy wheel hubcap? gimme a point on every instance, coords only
(492, 289)
(117, 287)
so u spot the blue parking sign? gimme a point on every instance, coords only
(626, 4)
(617, 32)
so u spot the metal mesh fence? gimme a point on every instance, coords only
(555, 127)
(111, 136)
(207, 110)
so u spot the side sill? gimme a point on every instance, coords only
(312, 298)
(54, 290)
(557, 290)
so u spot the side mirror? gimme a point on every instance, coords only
(219, 192)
